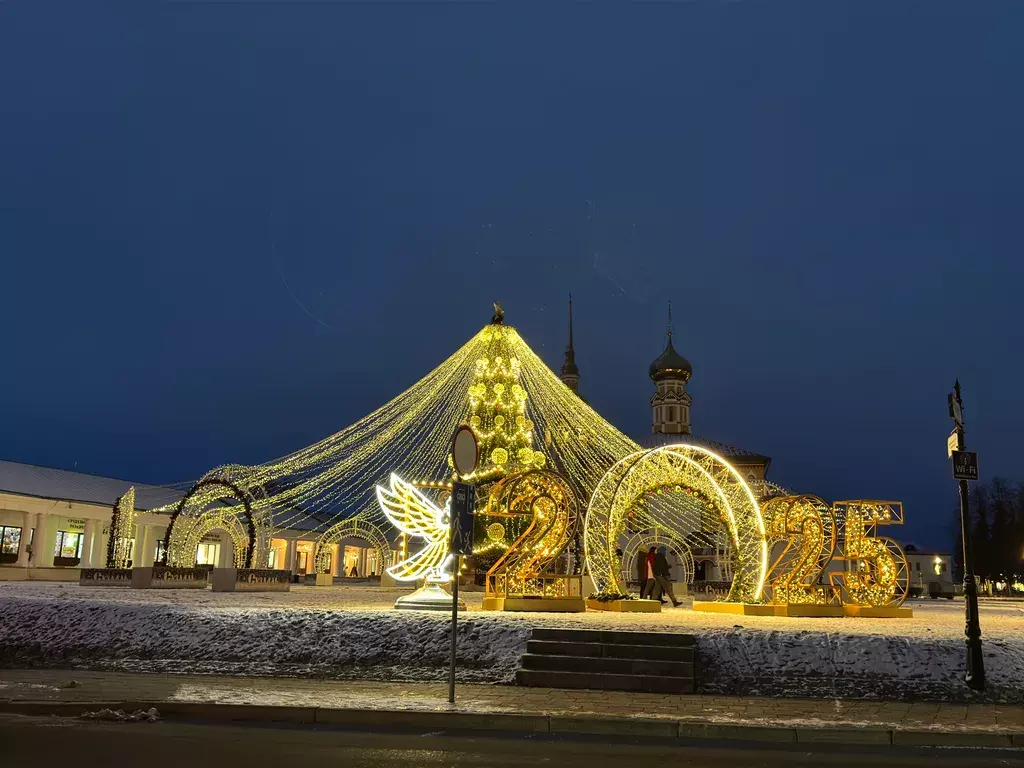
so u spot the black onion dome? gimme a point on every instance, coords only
(670, 362)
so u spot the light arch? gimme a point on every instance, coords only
(354, 528)
(716, 487)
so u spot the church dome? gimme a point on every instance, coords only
(671, 364)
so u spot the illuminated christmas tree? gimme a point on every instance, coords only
(504, 433)
(497, 411)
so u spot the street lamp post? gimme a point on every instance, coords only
(965, 466)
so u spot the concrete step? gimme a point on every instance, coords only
(603, 682)
(612, 650)
(609, 636)
(606, 665)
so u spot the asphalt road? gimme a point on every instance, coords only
(57, 741)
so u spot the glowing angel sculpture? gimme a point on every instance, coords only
(414, 514)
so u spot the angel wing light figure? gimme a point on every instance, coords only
(414, 514)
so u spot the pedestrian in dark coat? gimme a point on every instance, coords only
(661, 575)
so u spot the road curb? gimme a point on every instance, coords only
(516, 722)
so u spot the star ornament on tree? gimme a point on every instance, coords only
(415, 515)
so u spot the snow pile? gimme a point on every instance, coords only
(842, 666)
(254, 641)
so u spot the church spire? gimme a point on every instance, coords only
(670, 329)
(570, 373)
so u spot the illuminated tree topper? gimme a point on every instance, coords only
(414, 514)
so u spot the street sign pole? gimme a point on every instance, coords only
(461, 509)
(455, 629)
(975, 676)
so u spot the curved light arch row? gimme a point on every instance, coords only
(354, 528)
(686, 466)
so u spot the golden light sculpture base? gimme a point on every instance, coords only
(881, 612)
(535, 604)
(738, 609)
(793, 610)
(803, 610)
(625, 606)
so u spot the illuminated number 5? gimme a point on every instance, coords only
(877, 573)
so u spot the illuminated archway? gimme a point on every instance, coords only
(642, 540)
(711, 496)
(355, 528)
(226, 497)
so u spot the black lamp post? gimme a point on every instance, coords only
(964, 465)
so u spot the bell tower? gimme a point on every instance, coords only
(670, 404)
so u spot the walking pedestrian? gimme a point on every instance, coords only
(651, 590)
(661, 575)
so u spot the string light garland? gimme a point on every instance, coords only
(334, 479)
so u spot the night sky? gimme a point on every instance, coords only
(230, 229)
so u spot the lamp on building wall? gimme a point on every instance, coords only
(938, 565)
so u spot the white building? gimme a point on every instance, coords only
(54, 522)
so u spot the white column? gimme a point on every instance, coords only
(87, 538)
(43, 542)
(139, 547)
(99, 547)
(225, 555)
(26, 530)
(292, 545)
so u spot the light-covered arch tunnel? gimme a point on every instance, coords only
(691, 494)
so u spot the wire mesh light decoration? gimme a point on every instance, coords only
(801, 533)
(877, 572)
(224, 499)
(533, 565)
(711, 502)
(122, 528)
(356, 528)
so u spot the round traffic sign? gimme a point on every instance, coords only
(464, 450)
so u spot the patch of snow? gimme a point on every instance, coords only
(353, 632)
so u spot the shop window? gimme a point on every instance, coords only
(161, 550)
(67, 549)
(352, 561)
(10, 543)
(206, 553)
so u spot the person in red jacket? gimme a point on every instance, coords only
(651, 590)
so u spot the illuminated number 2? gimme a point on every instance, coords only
(806, 526)
(877, 572)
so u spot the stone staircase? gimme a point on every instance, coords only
(610, 660)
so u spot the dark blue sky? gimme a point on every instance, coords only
(830, 193)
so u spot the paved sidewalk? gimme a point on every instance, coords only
(381, 702)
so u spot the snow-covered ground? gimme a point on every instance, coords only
(353, 632)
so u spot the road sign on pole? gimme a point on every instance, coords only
(461, 508)
(965, 465)
(953, 443)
